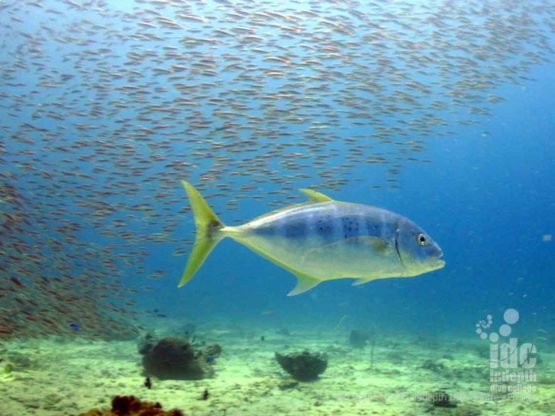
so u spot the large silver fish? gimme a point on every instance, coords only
(322, 240)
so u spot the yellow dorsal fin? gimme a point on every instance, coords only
(315, 196)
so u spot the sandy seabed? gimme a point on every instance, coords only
(56, 377)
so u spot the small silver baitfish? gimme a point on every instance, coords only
(322, 240)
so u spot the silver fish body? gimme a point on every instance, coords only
(332, 240)
(326, 239)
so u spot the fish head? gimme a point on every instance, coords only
(418, 252)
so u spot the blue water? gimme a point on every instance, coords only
(488, 201)
(441, 111)
(487, 198)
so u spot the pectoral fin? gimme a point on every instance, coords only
(304, 283)
(377, 244)
(374, 244)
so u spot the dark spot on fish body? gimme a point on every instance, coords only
(214, 225)
(350, 226)
(324, 227)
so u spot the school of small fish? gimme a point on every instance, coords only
(106, 106)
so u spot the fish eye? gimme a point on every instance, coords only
(421, 239)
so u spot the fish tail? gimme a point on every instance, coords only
(208, 233)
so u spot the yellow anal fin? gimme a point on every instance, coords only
(304, 283)
(315, 196)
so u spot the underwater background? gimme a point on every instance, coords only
(442, 111)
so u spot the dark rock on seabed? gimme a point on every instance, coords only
(177, 359)
(303, 366)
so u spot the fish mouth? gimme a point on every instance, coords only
(439, 263)
(436, 265)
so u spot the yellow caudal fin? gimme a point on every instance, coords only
(208, 232)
